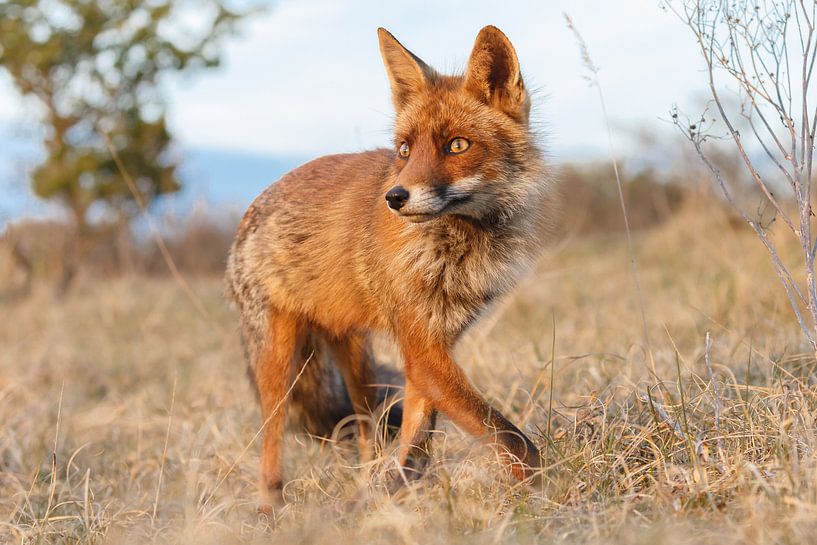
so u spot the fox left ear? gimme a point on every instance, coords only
(494, 76)
(408, 74)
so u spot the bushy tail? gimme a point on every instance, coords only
(319, 401)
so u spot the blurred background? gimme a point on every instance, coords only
(207, 102)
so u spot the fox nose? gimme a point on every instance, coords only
(397, 197)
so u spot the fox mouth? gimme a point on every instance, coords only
(421, 217)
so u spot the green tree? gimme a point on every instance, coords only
(97, 67)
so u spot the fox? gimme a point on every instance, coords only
(415, 242)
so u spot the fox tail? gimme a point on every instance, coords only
(319, 402)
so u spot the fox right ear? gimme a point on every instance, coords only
(493, 74)
(408, 75)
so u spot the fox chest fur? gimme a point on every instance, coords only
(457, 269)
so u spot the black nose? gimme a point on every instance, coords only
(397, 197)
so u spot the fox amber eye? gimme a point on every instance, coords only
(404, 149)
(458, 145)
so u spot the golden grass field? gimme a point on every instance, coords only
(126, 416)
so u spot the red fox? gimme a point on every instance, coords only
(415, 241)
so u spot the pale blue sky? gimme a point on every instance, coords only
(306, 78)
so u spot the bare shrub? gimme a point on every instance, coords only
(45, 252)
(38, 251)
(767, 51)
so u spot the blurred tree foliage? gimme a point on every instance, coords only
(97, 67)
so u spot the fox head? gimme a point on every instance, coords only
(463, 144)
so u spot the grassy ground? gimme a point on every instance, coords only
(125, 415)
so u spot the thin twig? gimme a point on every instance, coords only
(53, 486)
(594, 80)
(257, 433)
(164, 450)
(552, 377)
(157, 236)
(661, 412)
(715, 395)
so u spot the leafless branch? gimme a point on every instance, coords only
(754, 45)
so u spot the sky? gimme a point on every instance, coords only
(308, 78)
(305, 78)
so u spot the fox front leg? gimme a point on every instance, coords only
(437, 378)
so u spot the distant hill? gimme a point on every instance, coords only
(213, 177)
(225, 178)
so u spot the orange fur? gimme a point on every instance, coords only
(321, 260)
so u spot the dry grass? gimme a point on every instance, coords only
(125, 414)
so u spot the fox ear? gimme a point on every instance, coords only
(408, 75)
(493, 74)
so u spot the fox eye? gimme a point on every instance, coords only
(458, 145)
(404, 150)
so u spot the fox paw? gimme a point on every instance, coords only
(272, 497)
